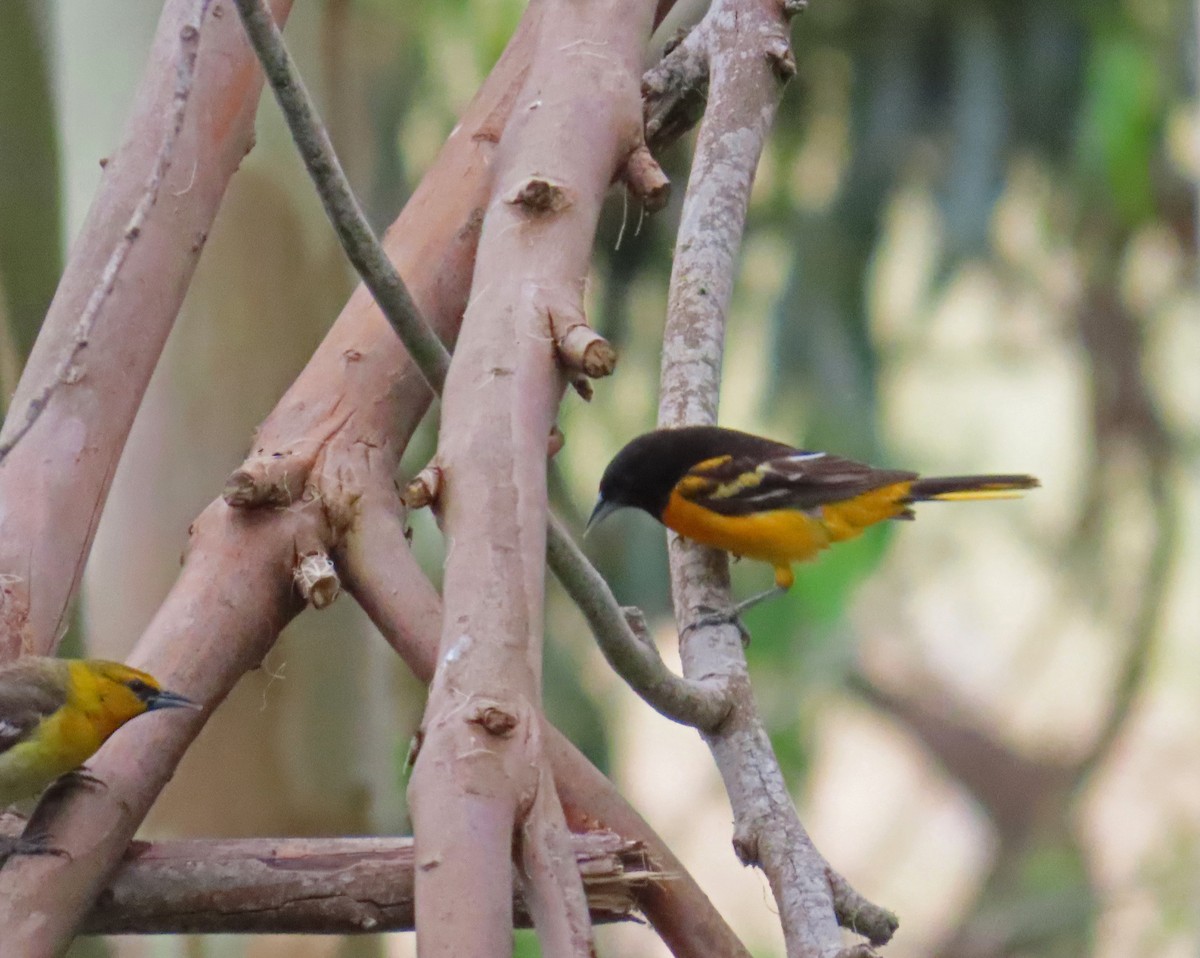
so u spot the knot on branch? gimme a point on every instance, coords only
(636, 619)
(646, 179)
(779, 56)
(539, 194)
(424, 488)
(265, 480)
(317, 579)
(494, 720)
(745, 845)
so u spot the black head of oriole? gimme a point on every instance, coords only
(55, 714)
(766, 500)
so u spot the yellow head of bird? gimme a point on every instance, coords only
(115, 693)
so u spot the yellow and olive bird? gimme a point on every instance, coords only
(766, 500)
(55, 714)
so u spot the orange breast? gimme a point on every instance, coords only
(778, 536)
(783, 536)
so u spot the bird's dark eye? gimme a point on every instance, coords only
(140, 688)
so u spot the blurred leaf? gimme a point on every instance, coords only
(979, 131)
(526, 944)
(568, 705)
(1121, 125)
(30, 231)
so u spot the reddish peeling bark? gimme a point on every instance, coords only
(481, 771)
(54, 482)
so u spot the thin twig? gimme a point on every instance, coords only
(342, 207)
(744, 44)
(67, 370)
(700, 703)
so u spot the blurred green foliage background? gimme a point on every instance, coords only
(972, 247)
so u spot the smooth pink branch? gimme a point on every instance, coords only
(55, 481)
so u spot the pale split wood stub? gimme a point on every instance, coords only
(646, 179)
(424, 488)
(582, 348)
(317, 579)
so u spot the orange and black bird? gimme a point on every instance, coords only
(766, 500)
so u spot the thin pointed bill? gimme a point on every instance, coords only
(603, 509)
(172, 700)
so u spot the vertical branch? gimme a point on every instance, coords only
(54, 482)
(745, 45)
(480, 770)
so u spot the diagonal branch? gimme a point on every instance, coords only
(53, 484)
(343, 424)
(66, 370)
(746, 47)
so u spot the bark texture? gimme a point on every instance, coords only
(744, 45)
(383, 576)
(341, 426)
(317, 886)
(481, 772)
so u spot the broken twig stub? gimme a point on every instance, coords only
(317, 579)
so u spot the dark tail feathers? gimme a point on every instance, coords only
(954, 488)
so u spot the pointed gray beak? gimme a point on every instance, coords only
(603, 508)
(171, 700)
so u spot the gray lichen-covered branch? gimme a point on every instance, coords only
(743, 48)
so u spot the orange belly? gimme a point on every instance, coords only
(784, 536)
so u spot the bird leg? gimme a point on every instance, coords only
(733, 615)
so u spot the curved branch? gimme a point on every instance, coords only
(701, 703)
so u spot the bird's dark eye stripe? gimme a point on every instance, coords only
(139, 688)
